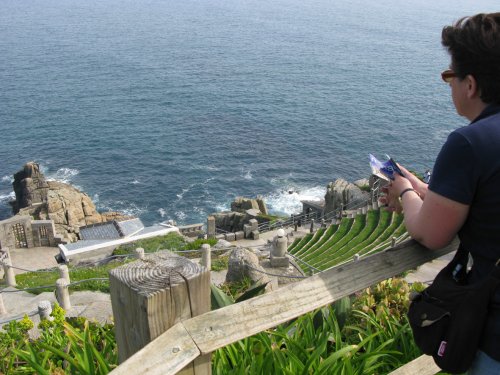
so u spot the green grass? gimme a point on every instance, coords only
(377, 340)
(326, 236)
(220, 263)
(372, 218)
(291, 248)
(385, 237)
(34, 279)
(383, 222)
(317, 235)
(344, 227)
(303, 241)
(356, 228)
(171, 241)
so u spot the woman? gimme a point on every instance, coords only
(463, 196)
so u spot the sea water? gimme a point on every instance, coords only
(168, 109)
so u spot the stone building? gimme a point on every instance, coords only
(21, 232)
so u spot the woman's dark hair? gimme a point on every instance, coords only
(474, 46)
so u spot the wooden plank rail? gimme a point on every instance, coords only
(213, 330)
(423, 365)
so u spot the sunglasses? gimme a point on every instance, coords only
(448, 75)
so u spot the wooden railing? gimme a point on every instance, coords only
(187, 340)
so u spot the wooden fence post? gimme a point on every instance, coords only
(151, 295)
(62, 294)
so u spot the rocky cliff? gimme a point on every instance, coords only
(340, 192)
(68, 207)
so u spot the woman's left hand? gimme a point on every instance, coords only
(392, 192)
(399, 184)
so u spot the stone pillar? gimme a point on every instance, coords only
(10, 277)
(211, 227)
(375, 205)
(3, 310)
(278, 252)
(254, 226)
(44, 310)
(206, 256)
(62, 294)
(64, 272)
(139, 253)
(311, 229)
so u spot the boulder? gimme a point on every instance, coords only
(68, 207)
(237, 267)
(222, 244)
(241, 204)
(341, 193)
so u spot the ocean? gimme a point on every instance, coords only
(168, 109)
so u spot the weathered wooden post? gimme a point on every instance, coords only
(3, 310)
(311, 229)
(139, 253)
(44, 310)
(64, 272)
(206, 256)
(62, 294)
(10, 277)
(151, 295)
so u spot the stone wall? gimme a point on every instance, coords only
(22, 231)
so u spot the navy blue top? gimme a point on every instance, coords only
(467, 170)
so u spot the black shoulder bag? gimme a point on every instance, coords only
(448, 317)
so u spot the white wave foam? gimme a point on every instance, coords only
(180, 215)
(8, 197)
(222, 207)
(162, 212)
(63, 175)
(126, 208)
(441, 134)
(7, 179)
(288, 201)
(248, 175)
(135, 182)
(184, 191)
